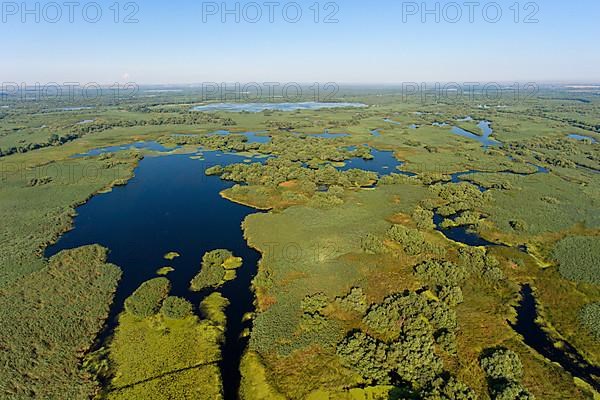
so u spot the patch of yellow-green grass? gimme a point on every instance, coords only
(548, 204)
(308, 370)
(255, 384)
(263, 198)
(233, 263)
(164, 271)
(213, 309)
(367, 393)
(144, 350)
(171, 255)
(230, 274)
(200, 383)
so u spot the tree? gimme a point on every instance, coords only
(411, 240)
(440, 273)
(511, 391)
(502, 364)
(448, 389)
(451, 295)
(371, 244)
(367, 356)
(356, 301)
(313, 304)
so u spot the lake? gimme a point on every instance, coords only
(258, 107)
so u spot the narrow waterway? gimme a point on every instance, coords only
(562, 353)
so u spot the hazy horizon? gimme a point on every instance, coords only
(347, 42)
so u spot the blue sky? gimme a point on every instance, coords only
(370, 44)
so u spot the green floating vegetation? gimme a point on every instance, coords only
(49, 318)
(579, 258)
(218, 266)
(171, 255)
(164, 270)
(147, 299)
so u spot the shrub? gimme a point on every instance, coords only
(448, 389)
(589, 316)
(217, 170)
(511, 391)
(411, 240)
(502, 364)
(494, 274)
(423, 218)
(372, 244)
(176, 308)
(441, 273)
(451, 295)
(315, 303)
(477, 261)
(216, 257)
(367, 356)
(356, 301)
(147, 299)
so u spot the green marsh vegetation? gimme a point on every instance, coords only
(577, 257)
(218, 266)
(161, 349)
(333, 301)
(49, 319)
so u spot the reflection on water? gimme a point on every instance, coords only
(258, 107)
(582, 138)
(152, 146)
(484, 139)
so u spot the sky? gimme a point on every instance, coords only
(348, 41)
